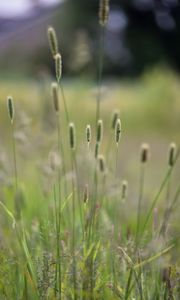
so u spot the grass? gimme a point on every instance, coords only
(69, 227)
(97, 257)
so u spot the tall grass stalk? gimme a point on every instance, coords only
(103, 18)
(64, 103)
(58, 210)
(143, 160)
(100, 72)
(57, 242)
(72, 142)
(172, 153)
(10, 106)
(73, 229)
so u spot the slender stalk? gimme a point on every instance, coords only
(61, 151)
(116, 161)
(141, 190)
(78, 193)
(100, 71)
(57, 237)
(73, 225)
(14, 157)
(59, 211)
(93, 205)
(64, 102)
(164, 221)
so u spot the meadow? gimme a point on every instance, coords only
(89, 199)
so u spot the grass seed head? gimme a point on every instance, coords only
(10, 106)
(72, 136)
(172, 154)
(124, 191)
(99, 131)
(54, 88)
(115, 116)
(88, 134)
(58, 66)
(144, 153)
(102, 164)
(118, 130)
(53, 44)
(103, 12)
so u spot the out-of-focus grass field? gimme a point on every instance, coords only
(150, 112)
(149, 109)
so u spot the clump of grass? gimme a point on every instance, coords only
(69, 246)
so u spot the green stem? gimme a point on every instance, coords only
(57, 238)
(100, 71)
(64, 102)
(141, 189)
(73, 226)
(14, 157)
(59, 212)
(163, 227)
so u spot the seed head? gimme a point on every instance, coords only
(10, 106)
(88, 134)
(72, 136)
(115, 116)
(54, 88)
(99, 131)
(172, 154)
(96, 150)
(58, 66)
(144, 153)
(124, 189)
(103, 12)
(118, 131)
(53, 44)
(102, 164)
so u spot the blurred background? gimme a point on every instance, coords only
(140, 35)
